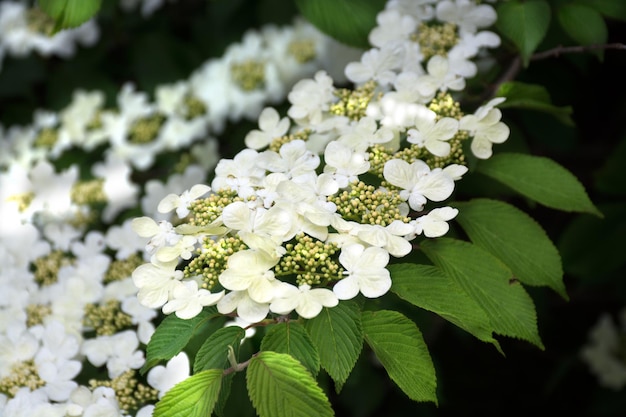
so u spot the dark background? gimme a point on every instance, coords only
(473, 378)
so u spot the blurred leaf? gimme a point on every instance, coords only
(614, 9)
(610, 178)
(280, 386)
(540, 179)
(291, 338)
(348, 21)
(398, 344)
(532, 97)
(336, 333)
(583, 24)
(70, 13)
(591, 247)
(516, 239)
(194, 397)
(492, 285)
(525, 23)
(427, 287)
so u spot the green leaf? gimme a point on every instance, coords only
(70, 13)
(194, 397)
(348, 21)
(291, 338)
(427, 287)
(540, 179)
(279, 385)
(532, 97)
(610, 8)
(516, 239)
(214, 351)
(490, 283)
(610, 177)
(398, 344)
(583, 24)
(172, 335)
(525, 23)
(336, 333)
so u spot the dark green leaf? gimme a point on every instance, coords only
(70, 13)
(291, 338)
(525, 23)
(398, 344)
(490, 283)
(213, 354)
(429, 288)
(583, 24)
(533, 97)
(540, 179)
(348, 21)
(336, 333)
(516, 239)
(614, 9)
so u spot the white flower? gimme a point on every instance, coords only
(119, 352)
(310, 98)
(272, 127)
(120, 191)
(389, 237)
(467, 15)
(365, 272)
(162, 234)
(418, 182)
(181, 203)
(248, 309)
(441, 76)
(393, 26)
(163, 378)
(344, 163)
(307, 302)
(377, 64)
(124, 239)
(187, 301)
(240, 174)
(433, 134)
(250, 270)
(486, 128)
(155, 281)
(434, 224)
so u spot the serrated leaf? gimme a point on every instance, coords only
(532, 97)
(398, 344)
(427, 287)
(194, 397)
(291, 338)
(172, 335)
(525, 23)
(213, 354)
(280, 386)
(70, 13)
(583, 24)
(490, 283)
(540, 179)
(516, 239)
(348, 21)
(336, 333)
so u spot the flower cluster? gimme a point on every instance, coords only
(312, 210)
(72, 332)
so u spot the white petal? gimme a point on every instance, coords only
(346, 289)
(168, 203)
(145, 226)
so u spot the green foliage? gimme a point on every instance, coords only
(540, 179)
(584, 24)
(214, 351)
(173, 334)
(337, 334)
(70, 13)
(279, 386)
(533, 97)
(516, 239)
(194, 397)
(348, 21)
(399, 346)
(490, 283)
(291, 338)
(525, 23)
(427, 287)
